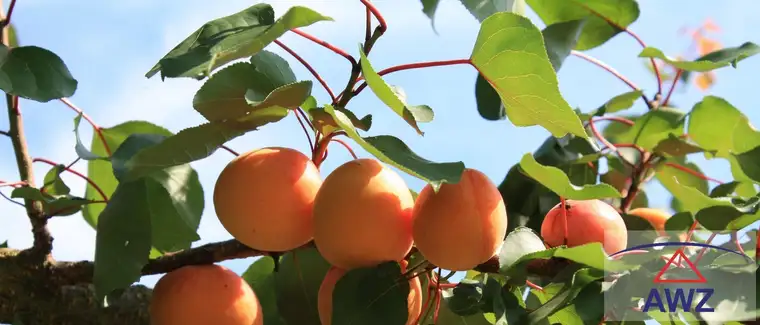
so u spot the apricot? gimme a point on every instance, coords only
(265, 197)
(202, 295)
(363, 215)
(325, 295)
(587, 221)
(462, 225)
(657, 218)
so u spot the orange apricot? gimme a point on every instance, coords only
(264, 198)
(587, 221)
(325, 295)
(362, 215)
(657, 218)
(202, 295)
(462, 225)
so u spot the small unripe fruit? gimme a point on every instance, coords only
(462, 225)
(326, 289)
(202, 295)
(264, 198)
(362, 215)
(587, 221)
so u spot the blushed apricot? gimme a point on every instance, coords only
(202, 295)
(326, 289)
(264, 198)
(362, 215)
(587, 221)
(462, 225)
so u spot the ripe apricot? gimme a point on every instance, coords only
(462, 225)
(657, 218)
(325, 295)
(264, 198)
(362, 215)
(587, 221)
(202, 295)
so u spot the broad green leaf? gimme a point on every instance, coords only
(386, 93)
(750, 163)
(53, 184)
(421, 113)
(482, 9)
(123, 239)
(729, 218)
(35, 73)
(174, 195)
(676, 146)
(519, 242)
(325, 123)
(510, 54)
(101, 171)
(716, 125)
(580, 280)
(297, 283)
(229, 38)
(618, 103)
(653, 127)
(711, 61)
(724, 190)
(274, 67)
(605, 18)
(560, 38)
(371, 296)
(198, 142)
(393, 151)
(428, 8)
(489, 103)
(80, 149)
(289, 96)
(223, 96)
(52, 205)
(691, 198)
(558, 182)
(260, 276)
(466, 298)
(665, 174)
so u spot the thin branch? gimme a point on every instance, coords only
(614, 118)
(324, 44)
(230, 150)
(672, 87)
(410, 66)
(13, 184)
(7, 19)
(82, 176)
(305, 131)
(604, 66)
(693, 172)
(98, 129)
(368, 31)
(308, 67)
(12, 200)
(375, 12)
(5, 133)
(344, 144)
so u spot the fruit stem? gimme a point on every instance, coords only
(82, 176)
(97, 128)
(426, 304)
(534, 286)
(672, 87)
(5, 133)
(438, 296)
(693, 172)
(704, 249)
(564, 219)
(324, 44)
(735, 237)
(303, 126)
(308, 67)
(321, 148)
(344, 144)
(230, 150)
(411, 66)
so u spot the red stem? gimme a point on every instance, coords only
(672, 87)
(604, 66)
(303, 126)
(7, 20)
(13, 184)
(411, 66)
(637, 38)
(325, 45)
(693, 172)
(738, 243)
(704, 249)
(351, 151)
(534, 286)
(377, 14)
(564, 218)
(368, 32)
(95, 186)
(321, 149)
(308, 67)
(614, 118)
(230, 150)
(98, 129)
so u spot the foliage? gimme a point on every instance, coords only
(146, 202)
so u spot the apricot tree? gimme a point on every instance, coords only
(547, 245)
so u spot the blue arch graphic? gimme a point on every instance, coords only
(654, 245)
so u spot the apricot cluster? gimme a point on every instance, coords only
(361, 215)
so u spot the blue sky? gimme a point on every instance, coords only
(108, 46)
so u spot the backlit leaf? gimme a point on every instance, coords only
(711, 61)
(35, 73)
(558, 182)
(560, 38)
(653, 127)
(510, 54)
(482, 9)
(371, 296)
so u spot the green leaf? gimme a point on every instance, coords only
(123, 239)
(510, 54)
(35, 73)
(558, 182)
(297, 283)
(748, 161)
(466, 298)
(52, 205)
(725, 189)
(260, 276)
(482, 9)
(198, 142)
(653, 127)
(4, 244)
(580, 280)
(386, 93)
(229, 38)
(605, 18)
(716, 125)
(54, 185)
(711, 61)
(101, 171)
(675, 146)
(421, 113)
(729, 218)
(680, 221)
(519, 242)
(395, 152)
(489, 103)
(325, 123)
(226, 94)
(371, 296)
(618, 103)
(428, 8)
(80, 149)
(691, 198)
(560, 38)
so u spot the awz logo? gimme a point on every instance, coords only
(695, 294)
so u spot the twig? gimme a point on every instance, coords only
(5, 133)
(98, 129)
(377, 15)
(325, 45)
(614, 72)
(82, 176)
(12, 200)
(305, 131)
(230, 150)
(693, 172)
(614, 118)
(672, 87)
(344, 144)
(308, 67)
(411, 66)
(368, 31)
(7, 19)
